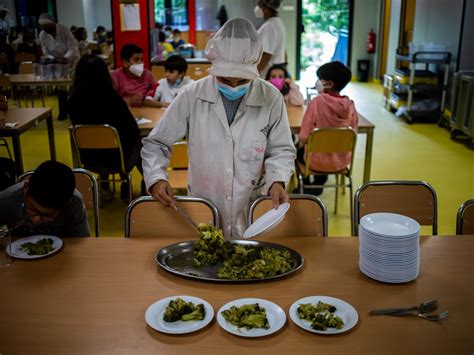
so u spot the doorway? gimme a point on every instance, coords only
(325, 36)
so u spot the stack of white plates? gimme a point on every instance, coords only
(389, 247)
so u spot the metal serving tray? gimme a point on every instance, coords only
(178, 259)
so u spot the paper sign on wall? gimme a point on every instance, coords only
(130, 17)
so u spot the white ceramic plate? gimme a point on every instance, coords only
(390, 224)
(154, 316)
(267, 222)
(275, 315)
(344, 310)
(16, 251)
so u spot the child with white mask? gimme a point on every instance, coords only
(133, 82)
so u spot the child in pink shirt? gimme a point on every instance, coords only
(133, 82)
(328, 109)
(281, 79)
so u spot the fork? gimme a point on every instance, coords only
(432, 317)
(424, 307)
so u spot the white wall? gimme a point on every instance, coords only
(366, 16)
(439, 21)
(393, 35)
(70, 12)
(85, 13)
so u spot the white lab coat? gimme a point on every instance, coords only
(226, 164)
(64, 45)
(272, 33)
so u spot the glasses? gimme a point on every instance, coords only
(32, 211)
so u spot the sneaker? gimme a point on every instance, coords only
(107, 195)
(124, 192)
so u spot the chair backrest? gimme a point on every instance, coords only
(307, 216)
(465, 218)
(96, 137)
(179, 156)
(414, 199)
(331, 140)
(146, 217)
(25, 57)
(26, 68)
(5, 81)
(86, 184)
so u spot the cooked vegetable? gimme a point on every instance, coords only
(249, 316)
(41, 247)
(240, 261)
(255, 263)
(179, 309)
(320, 315)
(210, 246)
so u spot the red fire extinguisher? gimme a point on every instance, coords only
(371, 37)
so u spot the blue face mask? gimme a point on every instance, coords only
(177, 82)
(233, 93)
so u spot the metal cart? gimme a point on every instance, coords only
(431, 90)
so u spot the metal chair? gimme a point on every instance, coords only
(4, 143)
(178, 168)
(414, 199)
(326, 141)
(465, 218)
(90, 138)
(86, 184)
(147, 217)
(307, 216)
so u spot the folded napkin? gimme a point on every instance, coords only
(142, 121)
(11, 124)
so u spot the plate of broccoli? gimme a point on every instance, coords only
(35, 246)
(251, 317)
(323, 314)
(179, 314)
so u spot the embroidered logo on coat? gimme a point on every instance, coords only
(265, 130)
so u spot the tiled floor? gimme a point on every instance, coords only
(420, 151)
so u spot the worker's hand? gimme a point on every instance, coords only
(163, 192)
(278, 194)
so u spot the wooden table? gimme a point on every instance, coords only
(91, 299)
(32, 80)
(295, 116)
(152, 113)
(26, 119)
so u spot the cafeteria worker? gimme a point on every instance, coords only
(239, 140)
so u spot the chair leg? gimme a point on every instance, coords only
(350, 203)
(300, 180)
(336, 193)
(343, 183)
(42, 96)
(130, 187)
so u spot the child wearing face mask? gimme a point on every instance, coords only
(171, 85)
(281, 79)
(132, 82)
(328, 109)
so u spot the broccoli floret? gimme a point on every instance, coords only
(198, 314)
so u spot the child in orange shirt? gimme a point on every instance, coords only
(328, 109)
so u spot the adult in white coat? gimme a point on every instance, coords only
(272, 33)
(239, 140)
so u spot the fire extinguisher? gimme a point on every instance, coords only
(371, 37)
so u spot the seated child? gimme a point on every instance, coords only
(171, 85)
(328, 109)
(281, 79)
(177, 40)
(132, 82)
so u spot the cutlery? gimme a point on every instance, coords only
(432, 317)
(186, 217)
(424, 307)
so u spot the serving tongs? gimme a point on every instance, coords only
(186, 217)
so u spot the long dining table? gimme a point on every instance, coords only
(295, 117)
(91, 298)
(24, 119)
